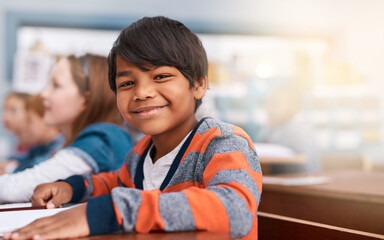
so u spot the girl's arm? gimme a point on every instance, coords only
(19, 187)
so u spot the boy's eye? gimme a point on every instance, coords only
(161, 76)
(126, 84)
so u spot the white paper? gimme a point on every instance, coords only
(273, 150)
(12, 220)
(15, 205)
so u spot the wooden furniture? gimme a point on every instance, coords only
(352, 200)
(278, 227)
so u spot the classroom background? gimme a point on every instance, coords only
(318, 62)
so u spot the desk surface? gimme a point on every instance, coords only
(351, 199)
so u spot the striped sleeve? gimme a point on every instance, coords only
(94, 185)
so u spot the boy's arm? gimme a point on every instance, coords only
(225, 200)
(93, 185)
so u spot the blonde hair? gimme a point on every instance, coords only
(91, 77)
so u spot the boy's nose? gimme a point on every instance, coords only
(144, 91)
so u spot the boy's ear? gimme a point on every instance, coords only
(200, 87)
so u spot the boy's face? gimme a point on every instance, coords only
(156, 102)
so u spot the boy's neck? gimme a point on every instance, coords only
(165, 143)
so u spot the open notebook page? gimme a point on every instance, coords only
(12, 220)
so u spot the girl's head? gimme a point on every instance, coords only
(78, 95)
(14, 113)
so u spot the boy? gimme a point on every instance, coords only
(185, 175)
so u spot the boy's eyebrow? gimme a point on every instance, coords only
(123, 73)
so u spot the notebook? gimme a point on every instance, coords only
(19, 216)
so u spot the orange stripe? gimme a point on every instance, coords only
(232, 160)
(99, 187)
(182, 186)
(244, 193)
(119, 218)
(125, 178)
(203, 203)
(240, 132)
(100, 180)
(199, 142)
(148, 216)
(142, 145)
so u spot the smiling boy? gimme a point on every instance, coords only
(185, 174)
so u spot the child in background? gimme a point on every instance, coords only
(47, 139)
(185, 175)
(78, 102)
(15, 119)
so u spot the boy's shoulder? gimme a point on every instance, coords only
(220, 128)
(214, 132)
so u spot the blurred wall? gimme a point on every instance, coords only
(355, 28)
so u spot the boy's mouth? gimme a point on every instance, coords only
(147, 111)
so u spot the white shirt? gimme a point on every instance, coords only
(18, 187)
(154, 173)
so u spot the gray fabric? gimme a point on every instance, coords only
(240, 218)
(128, 201)
(239, 176)
(175, 212)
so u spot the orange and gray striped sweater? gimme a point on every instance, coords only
(213, 184)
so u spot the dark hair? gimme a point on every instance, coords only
(160, 41)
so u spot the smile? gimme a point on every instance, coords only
(147, 112)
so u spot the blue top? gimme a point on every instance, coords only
(38, 154)
(103, 146)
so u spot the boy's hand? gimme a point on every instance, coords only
(52, 195)
(66, 224)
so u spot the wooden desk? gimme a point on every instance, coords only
(353, 200)
(279, 227)
(163, 236)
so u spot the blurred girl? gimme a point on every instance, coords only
(47, 139)
(79, 102)
(15, 119)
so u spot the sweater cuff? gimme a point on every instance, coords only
(101, 215)
(78, 186)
